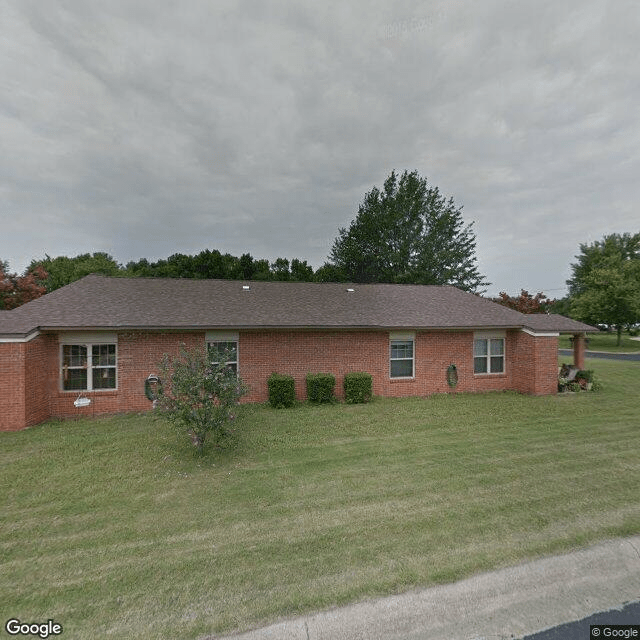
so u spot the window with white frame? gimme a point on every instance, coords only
(401, 356)
(89, 367)
(223, 347)
(488, 354)
(224, 351)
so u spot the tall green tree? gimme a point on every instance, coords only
(407, 232)
(610, 294)
(604, 287)
(610, 250)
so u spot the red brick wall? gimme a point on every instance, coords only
(40, 377)
(12, 367)
(138, 356)
(30, 388)
(297, 353)
(536, 367)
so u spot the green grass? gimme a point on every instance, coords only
(113, 528)
(604, 341)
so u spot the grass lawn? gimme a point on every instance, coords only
(604, 341)
(114, 529)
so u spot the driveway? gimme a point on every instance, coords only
(509, 603)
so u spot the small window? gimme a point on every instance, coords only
(88, 367)
(488, 355)
(225, 351)
(401, 358)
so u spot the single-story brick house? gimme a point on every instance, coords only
(101, 338)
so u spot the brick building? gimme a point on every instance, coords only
(100, 339)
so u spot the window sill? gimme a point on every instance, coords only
(86, 392)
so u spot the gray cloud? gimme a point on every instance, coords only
(146, 128)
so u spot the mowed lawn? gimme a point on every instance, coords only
(113, 528)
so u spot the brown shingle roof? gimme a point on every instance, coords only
(555, 322)
(98, 302)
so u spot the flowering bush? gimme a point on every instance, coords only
(199, 393)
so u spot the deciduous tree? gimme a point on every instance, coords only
(611, 295)
(64, 270)
(16, 290)
(525, 302)
(407, 232)
(617, 247)
(605, 284)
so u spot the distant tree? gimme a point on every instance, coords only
(408, 233)
(17, 290)
(301, 271)
(605, 284)
(247, 266)
(208, 264)
(140, 269)
(262, 270)
(330, 273)
(525, 302)
(63, 270)
(617, 247)
(280, 270)
(611, 295)
(180, 265)
(561, 306)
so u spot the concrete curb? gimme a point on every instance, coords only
(504, 604)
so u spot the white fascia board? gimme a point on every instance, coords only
(28, 338)
(541, 334)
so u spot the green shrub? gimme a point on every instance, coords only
(320, 387)
(282, 391)
(585, 374)
(357, 387)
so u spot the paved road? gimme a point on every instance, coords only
(602, 354)
(506, 604)
(626, 615)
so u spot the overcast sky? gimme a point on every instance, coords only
(148, 127)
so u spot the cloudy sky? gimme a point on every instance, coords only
(148, 127)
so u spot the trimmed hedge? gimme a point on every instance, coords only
(282, 391)
(320, 387)
(357, 387)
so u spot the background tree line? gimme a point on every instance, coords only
(404, 232)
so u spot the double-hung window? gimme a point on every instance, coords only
(89, 365)
(488, 354)
(223, 347)
(401, 356)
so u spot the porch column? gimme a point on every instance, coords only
(579, 347)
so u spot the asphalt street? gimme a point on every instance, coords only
(628, 615)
